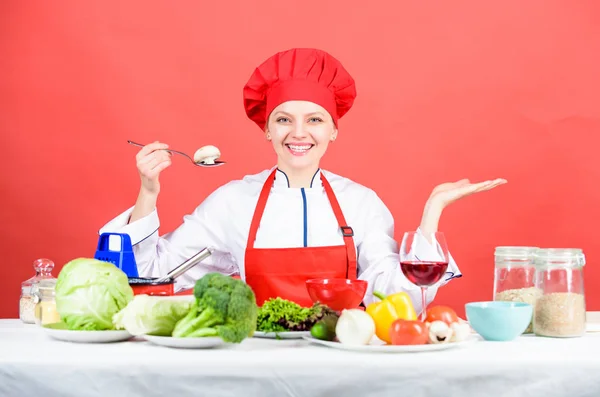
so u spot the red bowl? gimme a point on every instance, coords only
(337, 293)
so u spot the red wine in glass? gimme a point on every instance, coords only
(423, 273)
(424, 260)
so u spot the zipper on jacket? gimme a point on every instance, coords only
(305, 218)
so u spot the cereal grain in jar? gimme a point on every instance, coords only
(560, 310)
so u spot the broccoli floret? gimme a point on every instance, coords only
(207, 312)
(223, 307)
(242, 313)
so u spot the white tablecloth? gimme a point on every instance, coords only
(32, 364)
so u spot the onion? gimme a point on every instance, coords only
(355, 327)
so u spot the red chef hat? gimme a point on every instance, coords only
(302, 74)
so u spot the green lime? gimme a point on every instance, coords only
(321, 331)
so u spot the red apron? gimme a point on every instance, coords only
(282, 272)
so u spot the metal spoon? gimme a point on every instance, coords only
(185, 266)
(199, 164)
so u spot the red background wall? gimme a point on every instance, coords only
(446, 90)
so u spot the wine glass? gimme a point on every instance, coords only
(424, 260)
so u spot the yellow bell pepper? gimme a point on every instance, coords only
(391, 308)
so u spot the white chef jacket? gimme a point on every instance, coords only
(293, 217)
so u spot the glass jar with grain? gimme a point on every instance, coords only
(560, 310)
(45, 308)
(43, 270)
(514, 276)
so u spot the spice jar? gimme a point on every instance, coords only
(45, 308)
(43, 270)
(514, 276)
(560, 310)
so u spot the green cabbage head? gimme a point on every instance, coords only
(89, 293)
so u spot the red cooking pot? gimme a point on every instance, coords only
(152, 286)
(164, 286)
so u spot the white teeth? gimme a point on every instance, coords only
(299, 148)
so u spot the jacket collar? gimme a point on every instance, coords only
(281, 180)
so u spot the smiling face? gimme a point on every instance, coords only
(300, 132)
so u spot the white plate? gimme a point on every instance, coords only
(185, 343)
(592, 327)
(377, 346)
(282, 335)
(60, 332)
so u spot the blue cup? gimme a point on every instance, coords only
(497, 320)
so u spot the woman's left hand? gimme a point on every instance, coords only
(447, 193)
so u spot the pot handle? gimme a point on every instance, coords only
(187, 265)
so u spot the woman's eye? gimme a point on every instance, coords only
(315, 120)
(283, 120)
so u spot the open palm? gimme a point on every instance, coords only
(447, 193)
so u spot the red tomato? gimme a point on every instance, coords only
(441, 313)
(407, 332)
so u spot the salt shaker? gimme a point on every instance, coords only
(43, 270)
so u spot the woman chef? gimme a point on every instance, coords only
(295, 221)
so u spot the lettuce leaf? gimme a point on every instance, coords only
(151, 315)
(280, 315)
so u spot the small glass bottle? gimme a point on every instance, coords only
(514, 276)
(45, 308)
(43, 270)
(560, 310)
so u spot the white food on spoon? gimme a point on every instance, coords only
(207, 154)
(355, 327)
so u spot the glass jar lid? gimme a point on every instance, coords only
(560, 257)
(515, 252)
(47, 284)
(43, 270)
(44, 289)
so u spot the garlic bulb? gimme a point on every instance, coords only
(207, 154)
(460, 331)
(355, 327)
(439, 332)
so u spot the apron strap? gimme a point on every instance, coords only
(347, 232)
(260, 209)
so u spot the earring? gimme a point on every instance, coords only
(268, 137)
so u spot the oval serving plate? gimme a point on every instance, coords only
(377, 346)
(282, 335)
(185, 343)
(60, 332)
